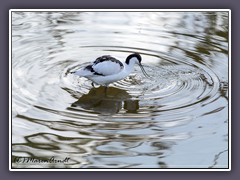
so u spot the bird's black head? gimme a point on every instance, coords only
(134, 55)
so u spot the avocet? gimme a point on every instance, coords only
(107, 69)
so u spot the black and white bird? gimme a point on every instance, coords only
(107, 69)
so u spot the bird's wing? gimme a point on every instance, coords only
(107, 65)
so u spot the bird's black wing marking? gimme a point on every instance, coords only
(108, 58)
(90, 68)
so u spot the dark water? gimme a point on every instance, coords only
(178, 118)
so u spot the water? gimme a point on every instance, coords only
(178, 118)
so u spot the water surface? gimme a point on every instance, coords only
(178, 118)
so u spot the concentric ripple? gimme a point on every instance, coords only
(172, 86)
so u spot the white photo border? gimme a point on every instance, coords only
(119, 10)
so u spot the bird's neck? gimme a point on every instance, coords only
(130, 66)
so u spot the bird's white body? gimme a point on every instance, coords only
(106, 69)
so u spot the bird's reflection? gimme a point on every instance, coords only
(107, 101)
